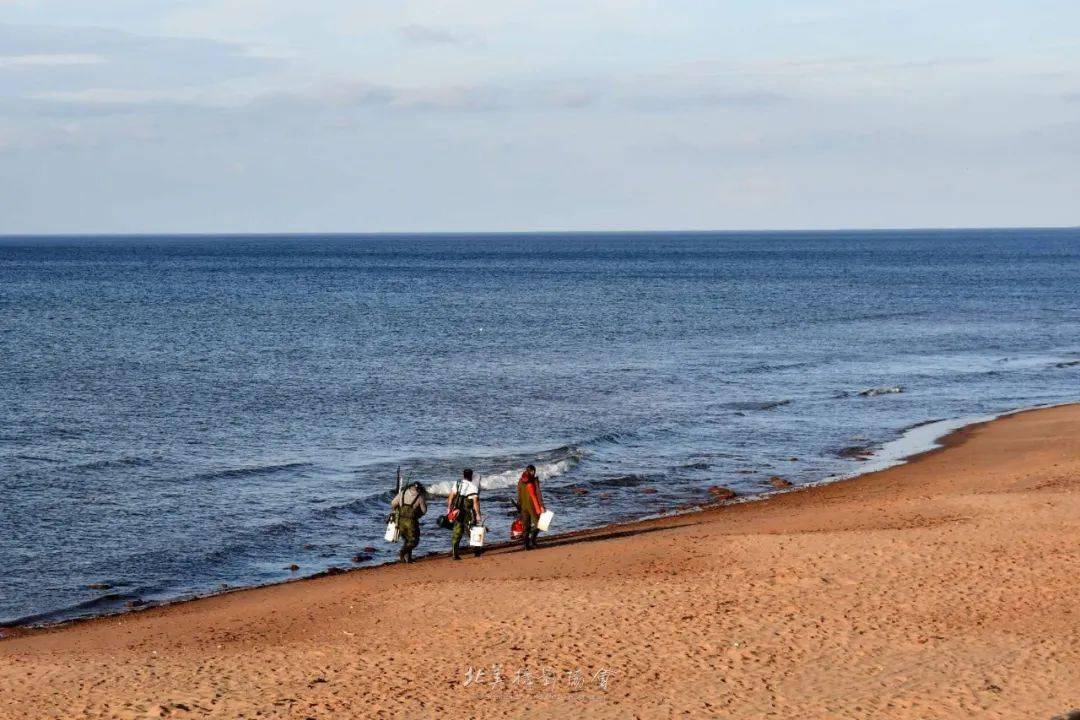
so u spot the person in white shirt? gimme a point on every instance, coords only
(465, 499)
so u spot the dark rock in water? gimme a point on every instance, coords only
(648, 491)
(778, 482)
(720, 493)
(99, 586)
(626, 480)
(854, 452)
(294, 567)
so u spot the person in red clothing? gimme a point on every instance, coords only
(530, 505)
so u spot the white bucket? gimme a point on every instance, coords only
(545, 520)
(391, 532)
(476, 536)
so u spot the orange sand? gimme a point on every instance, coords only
(944, 588)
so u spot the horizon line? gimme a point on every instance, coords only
(460, 233)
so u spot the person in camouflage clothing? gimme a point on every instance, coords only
(465, 498)
(409, 505)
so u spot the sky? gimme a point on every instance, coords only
(237, 116)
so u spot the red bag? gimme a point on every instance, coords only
(517, 530)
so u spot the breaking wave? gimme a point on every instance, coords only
(872, 391)
(564, 460)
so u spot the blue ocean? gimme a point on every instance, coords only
(183, 414)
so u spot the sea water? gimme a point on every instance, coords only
(182, 414)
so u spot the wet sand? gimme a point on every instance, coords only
(943, 588)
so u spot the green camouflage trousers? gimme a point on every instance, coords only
(463, 524)
(410, 531)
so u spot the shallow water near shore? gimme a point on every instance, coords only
(182, 413)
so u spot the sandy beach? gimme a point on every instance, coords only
(942, 588)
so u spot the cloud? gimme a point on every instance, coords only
(150, 74)
(49, 60)
(848, 69)
(701, 98)
(330, 97)
(671, 92)
(63, 59)
(426, 36)
(359, 94)
(623, 94)
(134, 97)
(582, 112)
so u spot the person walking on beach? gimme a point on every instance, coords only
(465, 499)
(409, 505)
(530, 505)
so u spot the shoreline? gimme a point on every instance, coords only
(940, 588)
(913, 443)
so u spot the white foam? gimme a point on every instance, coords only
(509, 478)
(918, 440)
(914, 441)
(875, 391)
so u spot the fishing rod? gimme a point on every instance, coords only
(392, 532)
